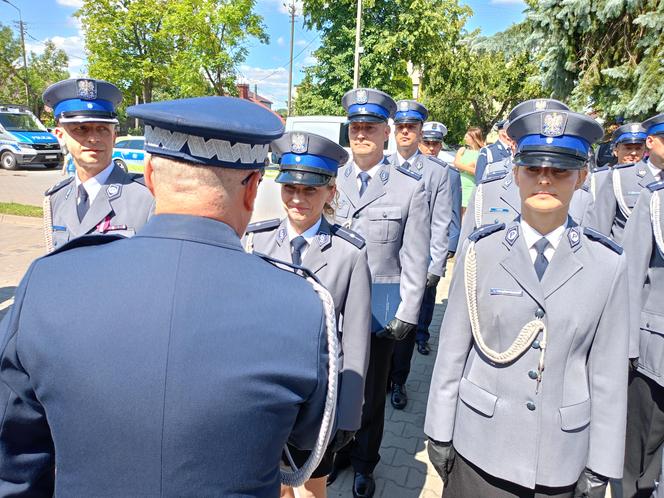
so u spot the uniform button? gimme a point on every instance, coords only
(539, 313)
(356, 216)
(530, 405)
(536, 344)
(532, 374)
(384, 215)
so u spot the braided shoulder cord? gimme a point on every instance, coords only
(48, 224)
(617, 191)
(526, 336)
(655, 218)
(593, 186)
(479, 201)
(249, 243)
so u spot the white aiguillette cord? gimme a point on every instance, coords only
(522, 342)
(655, 218)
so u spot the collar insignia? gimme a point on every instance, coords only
(573, 237)
(281, 235)
(384, 175)
(68, 192)
(87, 89)
(553, 124)
(641, 173)
(512, 235)
(299, 143)
(113, 191)
(348, 171)
(508, 181)
(323, 239)
(361, 97)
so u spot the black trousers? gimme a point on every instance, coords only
(469, 481)
(645, 436)
(364, 450)
(403, 350)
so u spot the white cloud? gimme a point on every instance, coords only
(71, 3)
(73, 46)
(280, 41)
(282, 4)
(300, 43)
(272, 83)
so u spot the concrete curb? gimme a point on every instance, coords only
(26, 221)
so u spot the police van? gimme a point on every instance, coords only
(25, 140)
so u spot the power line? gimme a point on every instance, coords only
(283, 66)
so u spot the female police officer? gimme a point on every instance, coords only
(337, 257)
(529, 387)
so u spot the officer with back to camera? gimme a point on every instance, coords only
(408, 123)
(494, 152)
(533, 348)
(100, 197)
(217, 359)
(387, 205)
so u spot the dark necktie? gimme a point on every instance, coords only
(406, 165)
(364, 179)
(540, 261)
(298, 244)
(83, 202)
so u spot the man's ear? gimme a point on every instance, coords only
(59, 132)
(582, 178)
(149, 173)
(251, 191)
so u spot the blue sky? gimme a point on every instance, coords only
(266, 66)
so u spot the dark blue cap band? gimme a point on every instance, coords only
(311, 161)
(408, 115)
(80, 105)
(563, 142)
(657, 129)
(359, 109)
(632, 137)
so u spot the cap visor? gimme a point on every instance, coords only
(408, 120)
(87, 119)
(632, 141)
(364, 118)
(549, 160)
(302, 178)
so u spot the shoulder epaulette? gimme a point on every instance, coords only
(58, 186)
(585, 187)
(623, 165)
(494, 175)
(600, 168)
(409, 172)
(439, 161)
(485, 230)
(287, 266)
(349, 236)
(602, 239)
(655, 186)
(138, 178)
(259, 226)
(87, 240)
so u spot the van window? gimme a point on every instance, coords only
(343, 135)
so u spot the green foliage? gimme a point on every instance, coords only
(393, 33)
(161, 49)
(604, 54)
(43, 70)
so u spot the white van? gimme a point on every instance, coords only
(333, 127)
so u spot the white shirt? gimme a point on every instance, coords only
(656, 172)
(410, 160)
(372, 172)
(94, 184)
(531, 237)
(308, 235)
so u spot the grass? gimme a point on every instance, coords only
(21, 209)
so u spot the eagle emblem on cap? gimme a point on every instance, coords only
(635, 128)
(540, 104)
(403, 106)
(361, 97)
(87, 89)
(553, 124)
(298, 143)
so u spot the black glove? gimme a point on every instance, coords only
(590, 485)
(441, 456)
(432, 280)
(396, 329)
(341, 439)
(633, 364)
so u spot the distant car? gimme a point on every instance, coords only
(129, 153)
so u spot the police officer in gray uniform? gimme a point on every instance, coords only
(336, 255)
(408, 122)
(644, 246)
(387, 205)
(216, 358)
(619, 187)
(496, 199)
(101, 197)
(535, 338)
(494, 152)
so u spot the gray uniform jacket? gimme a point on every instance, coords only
(439, 196)
(493, 413)
(121, 207)
(616, 197)
(497, 198)
(393, 218)
(338, 258)
(646, 276)
(490, 154)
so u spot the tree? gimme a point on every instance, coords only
(169, 48)
(394, 32)
(45, 69)
(604, 54)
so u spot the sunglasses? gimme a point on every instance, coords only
(260, 172)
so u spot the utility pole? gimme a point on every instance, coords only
(358, 30)
(25, 61)
(291, 10)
